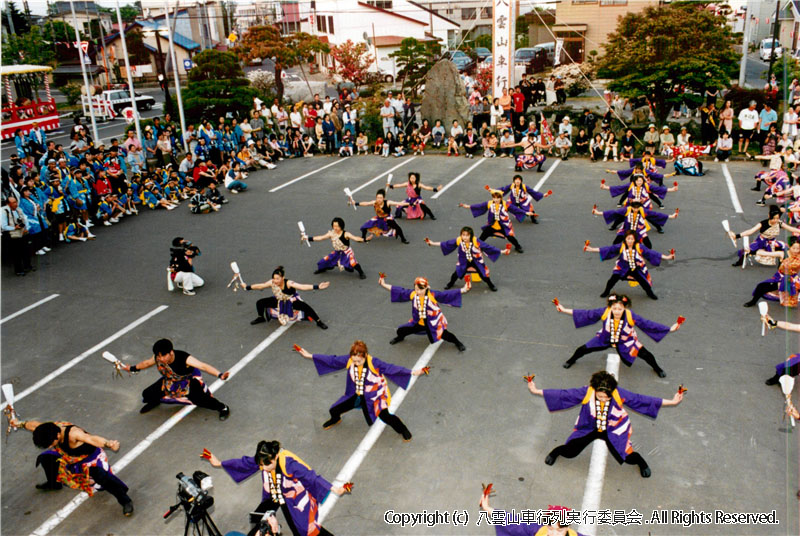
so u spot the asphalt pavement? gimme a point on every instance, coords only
(725, 447)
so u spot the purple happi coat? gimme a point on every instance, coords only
(628, 343)
(638, 256)
(433, 319)
(498, 218)
(635, 220)
(302, 488)
(791, 366)
(471, 252)
(521, 197)
(619, 427)
(376, 390)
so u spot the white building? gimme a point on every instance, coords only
(382, 24)
(257, 13)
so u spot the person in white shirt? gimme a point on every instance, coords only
(566, 127)
(507, 144)
(748, 121)
(724, 147)
(190, 137)
(396, 103)
(327, 105)
(683, 137)
(349, 119)
(563, 145)
(296, 118)
(790, 123)
(247, 130)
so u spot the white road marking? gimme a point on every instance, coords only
(28, 308)
(403, 163)
(597, 467)
(353, 463)
(732, 189)
(452, 182)
(301, 177)
(99, 346)
(546, 175)
(137, 450)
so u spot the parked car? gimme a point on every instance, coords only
(120, 99)
(523, 56)
(765, 50)
(483, 53)
(462, 60)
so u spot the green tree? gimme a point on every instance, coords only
(217, 85)
(484, 41)
(129, 12)
(31, 47)
(20, 20)
(653, 50)
(521, 32)
(414, 60)
(287, 50)
(137, 53)
(57, 30)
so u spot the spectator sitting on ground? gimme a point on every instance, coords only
(563, 145)
(234, 179)
(724, 147)
(362, 143)
(438, 134)
(507, 144)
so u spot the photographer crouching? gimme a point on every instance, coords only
(181, 265)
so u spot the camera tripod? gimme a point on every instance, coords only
(198, 521)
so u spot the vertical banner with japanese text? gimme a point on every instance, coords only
(502, 46)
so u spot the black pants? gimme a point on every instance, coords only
(761, 289)
(423, 207)
(454, 276)
(645, 240)
(108, 481)
(405, 331)
(392, 225)
(643, 354)
(392, 420)
(268, 505)
(18, 250)
(487, 232)
(356, 268)
(574, 447)
(197, 395)
(272, 303)
(637, 275)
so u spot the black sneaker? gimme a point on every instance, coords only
(645, 471)
(406, 436)
(150, 406)
(661, 374)
(224, 413)
(395, 340)
(748, 304)
(568, 364)
(330, 423)
(362, 276)
(321, 324)
(127, 509)
(550, 460)
(519, 250)
(259, 320)
(404, 241)
(460, 346)
(493, 288)
(770, 381)
(449, 286)
(47, 486)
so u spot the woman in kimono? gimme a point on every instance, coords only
(288, 485)
(342, 255)
(768, 232)
(414, 206)
(783, 285)
(366, 386)
(774, 173)
(556, 528)
(635, 219)
(632, 259)
(382, 223)
(498, 218)
(285, 304)
(639, 190)
(521, 195)
(426, 314)
(618, 331)
(602, 416)
(470, 255)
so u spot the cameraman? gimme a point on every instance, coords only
(181, 382)
(181, 262)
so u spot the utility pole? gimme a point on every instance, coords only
(775, 34)
(10, 19)
(83, 71)
(130, 78)
(163, 75)
(745, 46)
(177, 76)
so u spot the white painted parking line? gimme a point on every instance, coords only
(301, 177)
(28, 308)
(732, 189)
(353, 463)
(97, 347)
(597, 467)
(137, 450)
(452, 182)
(403, 163)
(549, 172)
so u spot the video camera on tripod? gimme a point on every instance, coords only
(193, 496)
(264, 523)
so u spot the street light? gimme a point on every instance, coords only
(162, 76)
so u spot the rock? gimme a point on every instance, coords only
(641, 115)
(298, 91)
(445, 95)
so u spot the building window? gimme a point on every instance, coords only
(486, 13)
(468, 13)
(383, 4)
(450, 11)
(313, 4)
(613, 2)
(330, 25)
(321, 24)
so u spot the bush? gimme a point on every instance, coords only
(371, 122)
(72, 92)
(740, 98)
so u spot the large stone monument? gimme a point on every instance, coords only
(445, 95)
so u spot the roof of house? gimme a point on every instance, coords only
(387, 12)
(76, 69)
(395, 40)
(432, 11)
(179, 39)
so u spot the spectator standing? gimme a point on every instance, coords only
(387, 114)
(505, 102)
(748, 120)
(15, 234)
(726, 118)
(767, 118)
(790, 119)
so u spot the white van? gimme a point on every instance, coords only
(765, 50)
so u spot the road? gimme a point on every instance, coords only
(473, 419)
